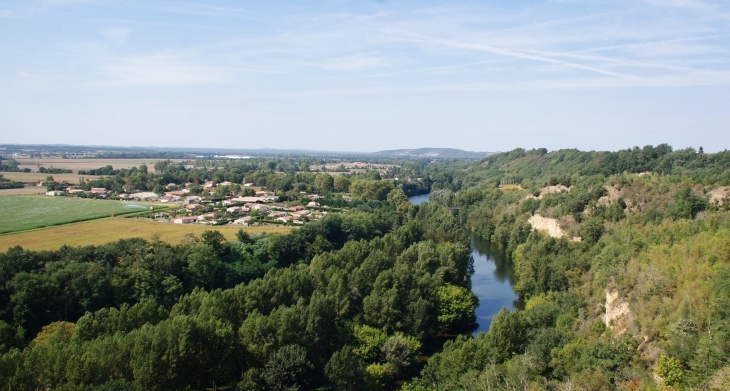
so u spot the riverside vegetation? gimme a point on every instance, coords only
(632, 292)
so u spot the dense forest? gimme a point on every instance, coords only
(264, 312)
(633, 294)
(622, 260)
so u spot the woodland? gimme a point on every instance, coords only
(633, 293)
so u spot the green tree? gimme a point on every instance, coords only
(287, 369)
(456, 307)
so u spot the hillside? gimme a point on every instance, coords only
(443, 153)
(622, 260)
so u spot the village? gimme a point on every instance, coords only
(234, 208)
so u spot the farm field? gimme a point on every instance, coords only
(107, 230)
(32, 190)
(89, 164)
(37, 177)
(27, 212)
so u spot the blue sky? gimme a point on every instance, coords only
(366, 75)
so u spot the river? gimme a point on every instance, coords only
(493, 278)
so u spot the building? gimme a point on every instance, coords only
(169, 198)
(234, 209)
(144, 195)
(54, 193)
(185, 220)
(296, 208)
(259, 207)
(98, 190)
(193, 207)
(313, 204)
(242, 221)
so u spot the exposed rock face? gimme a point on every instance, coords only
(618, 314)
(720, 195)
(547, 225)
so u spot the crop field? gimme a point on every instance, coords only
(31, 190)
(27, 212)
(37, 177)
(88, 164)
(107, 230)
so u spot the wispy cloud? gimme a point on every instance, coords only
(156, 70)
(116, 34)
(350, 63)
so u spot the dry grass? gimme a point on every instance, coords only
(34, 190)
(89, 164)
(37, 177)
(510, 187)
(107, 230)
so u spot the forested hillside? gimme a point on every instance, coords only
(347, 302)
(623, 260)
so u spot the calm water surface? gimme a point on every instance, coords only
(493, 279)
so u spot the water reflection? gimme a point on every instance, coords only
(492, 282)
(493, 279)
(504, 269)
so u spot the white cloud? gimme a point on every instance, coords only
(695, 4)
(350, 63)
(117, 35)
(5, 14)
(23, 74)
(157, 70)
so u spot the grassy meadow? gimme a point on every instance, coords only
(21, 213)
(101, 231)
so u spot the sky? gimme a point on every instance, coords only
(366, 75)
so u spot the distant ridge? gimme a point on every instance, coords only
(443, 153)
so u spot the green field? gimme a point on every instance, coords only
(19, 213)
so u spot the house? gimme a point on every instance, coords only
(54, 193)
(98, 190)
(247, 184)
(265, 194)
(313, 204)
(347, 198)
(248, 199)
(169, 198)
(226, 183)
(176, 193)
(208, 185)
(259, 207)
(191, 200)
(296, 208)
(185, 220)
(314, 197)
(170, 185)
(75, 191)
(284, 219)
(234, 209)
(193, 207)
(144, 195)
(242, 221)
(205, 217)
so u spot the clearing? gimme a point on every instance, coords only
(21, 213)
(107, 230)
(88, 164)
(30, 177)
